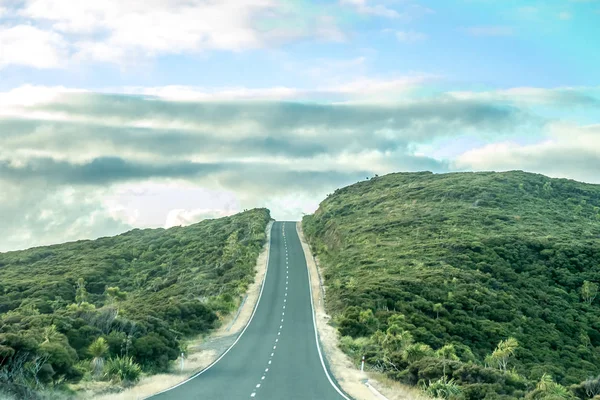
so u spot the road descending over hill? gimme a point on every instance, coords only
(276, 357)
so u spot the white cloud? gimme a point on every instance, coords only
(158, 25)
(148, 161)
(40, 215)
(363, 7)
(405, 10)
(327, 30)
(128, 32)
(410, 36)
(92, 139)
(181, 217)
(30, 46)
(567, 151)
(291, 207)
(187, 93)
(490, 30)
(102, 52)
(373, 86)
(31, 95)
(167, 204)
(564, 97)
(353, 89)
(151, 28)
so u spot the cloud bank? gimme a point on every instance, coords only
(77, 164)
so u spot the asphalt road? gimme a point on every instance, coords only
(276, 356)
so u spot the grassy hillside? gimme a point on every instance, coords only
(78, 310)
(426, 274)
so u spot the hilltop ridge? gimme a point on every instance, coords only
(417, 262)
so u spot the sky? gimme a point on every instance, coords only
(130, 114)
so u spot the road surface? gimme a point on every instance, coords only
(276, 356)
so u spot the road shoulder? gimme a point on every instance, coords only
(348, 377)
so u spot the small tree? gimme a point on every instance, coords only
(98, 350)
(447, 352)
(547, 389)
(589, 291)
(504, 351)
(437, 308)
(115, 296)
(80, 293)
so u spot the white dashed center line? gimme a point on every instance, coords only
(287, 267)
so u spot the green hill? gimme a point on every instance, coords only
(414, 262)
(141, 293)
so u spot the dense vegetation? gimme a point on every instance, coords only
(470, 285)
(114, 307)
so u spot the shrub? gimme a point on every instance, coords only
(153, 352)
(122, 370)
(442, 388)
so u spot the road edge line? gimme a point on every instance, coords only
(312, 306)
(262, 286)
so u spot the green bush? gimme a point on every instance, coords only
(122, 370)
(442, 388)
(154, 352)
(62, 358)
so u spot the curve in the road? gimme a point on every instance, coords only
(277, 355)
